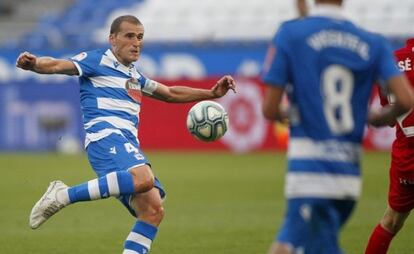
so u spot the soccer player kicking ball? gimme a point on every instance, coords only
(327, 66)
(111, 89)
(401, 188)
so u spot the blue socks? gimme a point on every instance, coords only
(140, 239)
(113, 184)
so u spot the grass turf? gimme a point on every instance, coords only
(216, 203)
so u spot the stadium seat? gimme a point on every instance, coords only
(207, 20)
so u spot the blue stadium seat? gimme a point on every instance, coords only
(73, 27)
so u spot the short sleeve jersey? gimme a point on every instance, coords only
(329, 65)
(110, 95)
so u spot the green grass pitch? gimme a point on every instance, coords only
(217, 203)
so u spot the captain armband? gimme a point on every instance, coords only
(150, 86)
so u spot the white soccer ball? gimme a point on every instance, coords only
(207, 121)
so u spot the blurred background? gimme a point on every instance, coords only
(186, 42)
(224, 197)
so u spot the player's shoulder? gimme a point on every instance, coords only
(373, 37)
(377, 43)
(291, 23)
(91, 55)
(403, 50)
(287, 29)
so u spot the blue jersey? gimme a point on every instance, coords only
(329, 66)
(110, 95)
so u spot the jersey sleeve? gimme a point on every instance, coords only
(86, 64)
(148, 86)
(387, 66)
(276, 64)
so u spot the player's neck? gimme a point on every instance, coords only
(333, 2)
(328, 10)
(119, 59)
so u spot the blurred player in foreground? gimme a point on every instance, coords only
(327, 66)
(401, 188)
(111, 89)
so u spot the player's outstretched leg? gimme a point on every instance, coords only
(48, 204)
(114, 184)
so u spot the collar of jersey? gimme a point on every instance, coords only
(110, 60)
(328, 10)
(113, 58)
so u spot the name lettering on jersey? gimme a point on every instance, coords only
(406, 182)
(134, 89)
(405, 65)
(338, 39)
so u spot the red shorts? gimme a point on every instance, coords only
(401, 190)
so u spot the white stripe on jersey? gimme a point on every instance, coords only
(92, 137)
(121, 105)
(117, 122)
(327, 150)
(319, 185)
(108, 81)
(139, 239)
(117, 82)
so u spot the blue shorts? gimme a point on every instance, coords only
(117, 153)
(312, 225)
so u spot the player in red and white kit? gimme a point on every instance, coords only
(401, 189)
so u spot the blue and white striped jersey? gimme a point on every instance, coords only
(110, 94)
(330, 65)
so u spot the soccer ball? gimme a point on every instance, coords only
(207, 121)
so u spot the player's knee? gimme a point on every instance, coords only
(143, 178)
(153, 214)
(279, 248)
(159, 213)
(144, 183)
(392, 225)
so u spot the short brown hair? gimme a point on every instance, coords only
(125, 18)
(329, 1)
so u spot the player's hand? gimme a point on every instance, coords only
(26, 61)
(223, 85)
(379, 118)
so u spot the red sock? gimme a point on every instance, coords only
(379, 241)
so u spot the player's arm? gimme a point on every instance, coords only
(178, 94)
(385, 99)
(404, 101)
(272, 108)
(46, 65)
(276, 78)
